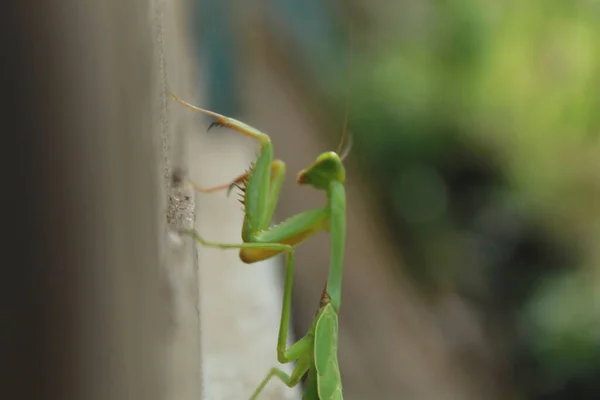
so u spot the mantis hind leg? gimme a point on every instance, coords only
(289, 380)
(274, 372)
(285, 378)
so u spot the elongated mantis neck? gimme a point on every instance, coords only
(336, 199)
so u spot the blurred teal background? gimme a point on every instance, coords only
(476, 125)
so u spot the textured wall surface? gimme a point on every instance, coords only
(95, 306)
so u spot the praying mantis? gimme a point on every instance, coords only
(316, 352)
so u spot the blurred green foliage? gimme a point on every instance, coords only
(478, 130)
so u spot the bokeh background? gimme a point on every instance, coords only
(474, 180)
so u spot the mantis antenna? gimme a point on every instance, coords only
(344, 148)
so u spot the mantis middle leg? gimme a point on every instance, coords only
(299, 351)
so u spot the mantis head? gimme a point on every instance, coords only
(327, 167)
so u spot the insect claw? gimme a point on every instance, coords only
(231, 186)
(214, 124)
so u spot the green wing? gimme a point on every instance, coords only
(329, 381)
(310, 388)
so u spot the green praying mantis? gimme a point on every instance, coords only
(316, 352)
